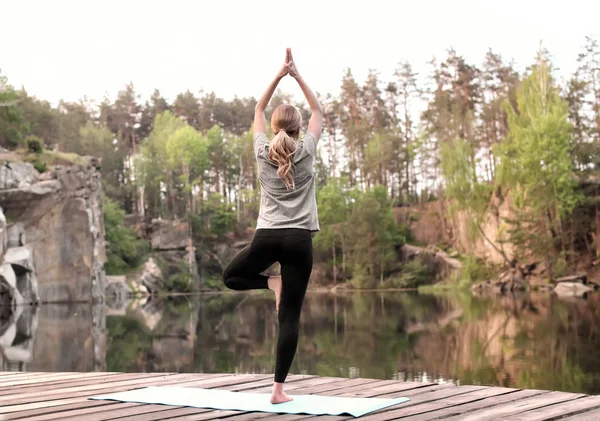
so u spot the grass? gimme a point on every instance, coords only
(48, 158)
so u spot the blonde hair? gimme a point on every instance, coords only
(286, 122)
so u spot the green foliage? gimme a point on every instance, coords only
(124, 251)
(98, 141)
(373, 236)
(474, 270)
(181, 280)
(536, 163)
(34, 144)
(415, 273)
(536, 157)
(13, 125)
(218, 213)
(462, 185)
(178, 277)
(333, 205)
(41, 167)
(45, 158)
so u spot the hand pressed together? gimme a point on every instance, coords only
(289, 67)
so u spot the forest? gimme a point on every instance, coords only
(485, 131)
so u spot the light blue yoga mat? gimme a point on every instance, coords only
(239, 401)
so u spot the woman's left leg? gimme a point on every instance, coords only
(244, 270)
(296, 266)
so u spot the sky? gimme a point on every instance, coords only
(67, 49)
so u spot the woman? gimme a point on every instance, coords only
(287, 217)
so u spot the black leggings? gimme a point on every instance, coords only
(292, 248)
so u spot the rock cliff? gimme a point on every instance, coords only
(53, 231)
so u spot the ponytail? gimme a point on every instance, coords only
(281, 150)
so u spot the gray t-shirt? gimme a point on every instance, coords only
(280, 207)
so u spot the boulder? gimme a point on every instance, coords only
(169, 235)
(8, 275)
(151, 277)
(138, 290)
(117, 288)
(572, 289)
(17, 174)
(9, 294)
(21, 258)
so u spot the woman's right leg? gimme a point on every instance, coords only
(244, 270)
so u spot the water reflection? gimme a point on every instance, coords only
(533, 341)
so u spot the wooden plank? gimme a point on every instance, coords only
(415, 407)
(82, 412)
(212, 415)
(121, 412)
(14, 374)
(10, 380)
(41, 411)
(340, 385)
(84, 402)
(57, 402)
(49, 399)
(55, 379)
(132, 380)
(479, 404)
(268, 383)
(350, 390)
(400, 388)
(415, 400)
(302, 388)
(586, 416)
(173, 413)
(33, 384)
(523, 405)
(560, 410)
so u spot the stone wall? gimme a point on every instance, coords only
(57, 217)
(172, 253)
(435, 223)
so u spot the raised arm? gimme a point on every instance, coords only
(315, 124)
(260, 121)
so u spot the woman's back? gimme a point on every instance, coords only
(280, 206)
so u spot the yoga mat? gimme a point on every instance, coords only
(239, 401)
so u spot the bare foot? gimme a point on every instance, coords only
(275, 285)
(280, 397)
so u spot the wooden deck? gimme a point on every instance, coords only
(63, 396)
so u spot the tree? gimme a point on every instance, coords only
(153, 170)
(12, 124)
(407, 90)
(332, 202)
(99, 141)
(469, 194)
(187, 155)
(536, 163)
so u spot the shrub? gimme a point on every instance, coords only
(34, 144)
(414, 274)
(41, 167)
(123, 250)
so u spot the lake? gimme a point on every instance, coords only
(532, 341)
